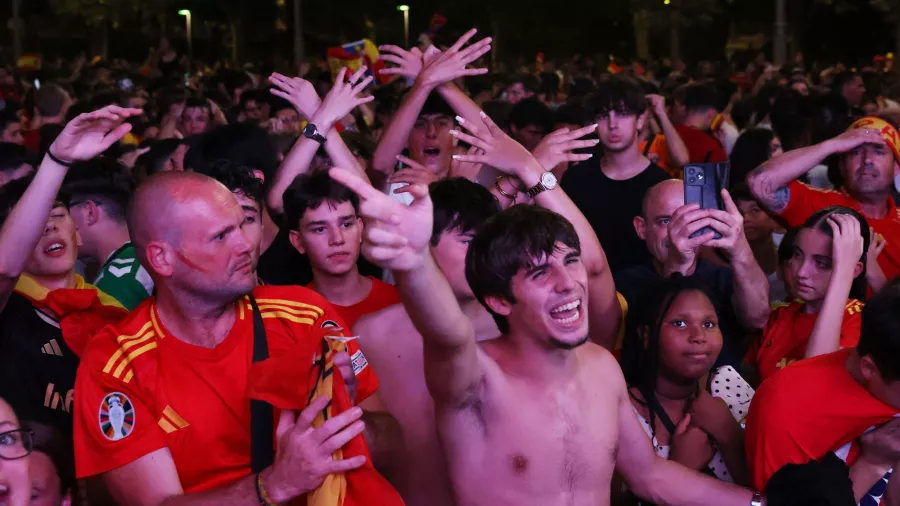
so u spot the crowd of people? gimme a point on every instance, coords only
(441, 285)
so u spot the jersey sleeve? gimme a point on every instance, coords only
(804, 201)
(850, 326)
(113, 422)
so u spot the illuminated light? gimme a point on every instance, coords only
(403, 8)
(185, 12)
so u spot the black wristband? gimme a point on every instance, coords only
(57, 160)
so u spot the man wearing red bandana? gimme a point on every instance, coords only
(47, 312)
(869, 152)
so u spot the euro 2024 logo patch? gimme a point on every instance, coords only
(116, 417)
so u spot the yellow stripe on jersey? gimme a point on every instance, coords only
(287, 316)
(156, 326)
(118, 354)
(131, 356)
(166, 426)
(291, 303)
(175, 417)
(266, 308)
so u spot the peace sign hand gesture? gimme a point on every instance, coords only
(92, 133)
(395, 236)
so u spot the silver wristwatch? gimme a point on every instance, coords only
(548, 182)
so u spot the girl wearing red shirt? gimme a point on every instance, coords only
(827, 274)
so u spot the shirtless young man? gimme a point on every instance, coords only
(537, 416)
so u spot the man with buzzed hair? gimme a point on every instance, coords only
(180, 365)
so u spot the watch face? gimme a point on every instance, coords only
(548, 180)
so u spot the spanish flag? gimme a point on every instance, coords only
(82, 311)
(285, 383)
(354, 55)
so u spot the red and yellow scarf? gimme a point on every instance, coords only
(82, 311)
(286, 383)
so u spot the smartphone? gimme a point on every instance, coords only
(703, 184)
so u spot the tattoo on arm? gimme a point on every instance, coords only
(774, 198)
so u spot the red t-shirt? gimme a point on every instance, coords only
(380, 296)
(805, 411)
(140, 389)
(786, 334)
(702, 147)
(806, 200)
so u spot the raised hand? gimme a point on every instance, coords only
(451, 64)
(499, 150)
(343, 98)
(415, 174)
(409, 63)
(304, 458)
(468, 170)
(558, 146)
(92, 133)
(658, 104)
(730, 224)
(299, 92)
(396, 236)
(846, 242)
(852, 139)
(682, 249)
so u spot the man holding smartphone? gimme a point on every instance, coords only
(666, 225)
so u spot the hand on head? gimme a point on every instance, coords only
(396, 236)
(846, 242)
(852, 139)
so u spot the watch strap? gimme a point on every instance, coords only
(312, 132)
(536, 189)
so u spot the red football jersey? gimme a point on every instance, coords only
(702, 146)
(786, 334)
(805, 411)
(140, 389)
(381, 296)
(806, 200)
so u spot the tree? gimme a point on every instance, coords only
(648, 15)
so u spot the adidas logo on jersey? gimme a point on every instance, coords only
(52, 348)
(55, 400)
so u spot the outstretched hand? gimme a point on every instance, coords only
(92, 133)
(344, 97)
(396, 236)
(299, 92)
(444, 67)
(499, 150)
(558, 146)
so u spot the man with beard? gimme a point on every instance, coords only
(869, 152)
(609, 188)
(180, 365)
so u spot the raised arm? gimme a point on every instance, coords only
(677, 149)
(340, 101)
(769, 182)
(847, 246)
(439, 70)
(397, 238)
(83, 138)
(504, 153)
(303, 461)
(751, 287)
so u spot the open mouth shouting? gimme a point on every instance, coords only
(568, 313)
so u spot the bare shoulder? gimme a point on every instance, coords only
(601, 365)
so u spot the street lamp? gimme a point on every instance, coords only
(187, 14)
(405, 10)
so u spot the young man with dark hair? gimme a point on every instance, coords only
(394, 346)
(502, 407)
(101, 189)
(529, 121)
(11, 127)
(255, 106)
(51, 103)
(522, 87)
(869, 160)
(47, 312)
(323, 217)
(826, 403)
(16, 162)
(197, 117)
(609, 188)
(700, 101)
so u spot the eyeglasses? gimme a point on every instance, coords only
(16, 444)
